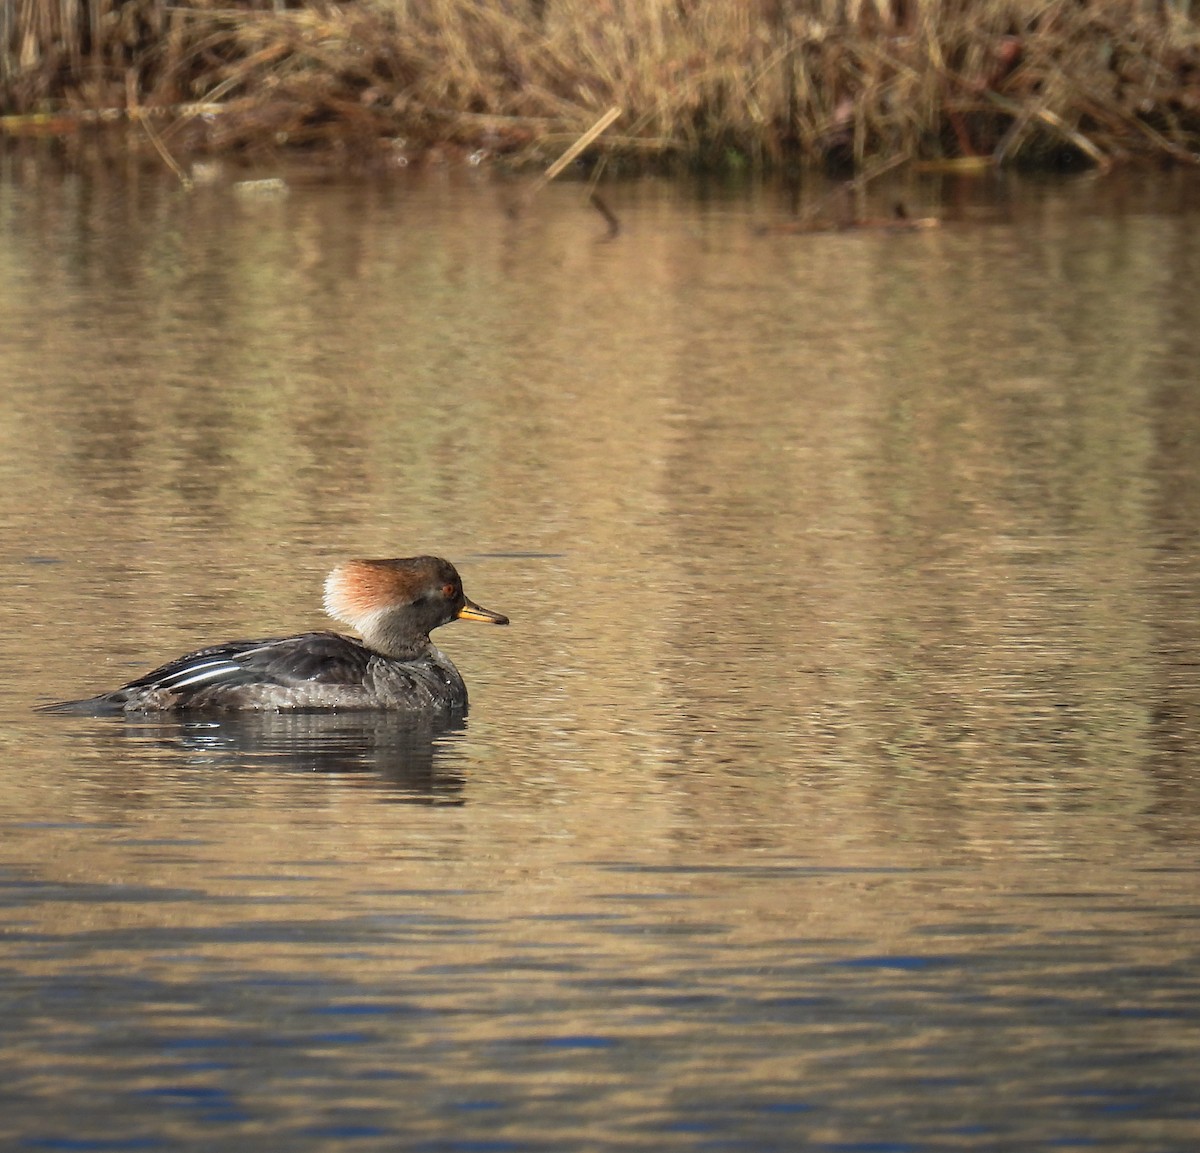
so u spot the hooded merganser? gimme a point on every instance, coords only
(393, 604)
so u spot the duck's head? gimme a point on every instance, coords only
(395, 604)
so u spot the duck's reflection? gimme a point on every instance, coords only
(418, 759)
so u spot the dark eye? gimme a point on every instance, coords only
(449, 592)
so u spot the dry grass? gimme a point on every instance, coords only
(763, 81)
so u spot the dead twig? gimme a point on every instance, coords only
(184, 179)
(1052, 120)
(572, 152)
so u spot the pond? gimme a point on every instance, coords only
(836, 784)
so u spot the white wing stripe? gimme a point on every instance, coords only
(198, 674)
(197, 666)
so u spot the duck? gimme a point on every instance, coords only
(393, 665)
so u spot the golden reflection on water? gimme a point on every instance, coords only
(853, 585)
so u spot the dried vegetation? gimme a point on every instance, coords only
(710, 81)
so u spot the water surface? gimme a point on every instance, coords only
(835, 786)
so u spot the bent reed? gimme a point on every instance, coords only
(713, 82)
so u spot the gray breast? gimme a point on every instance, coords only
(431, 683)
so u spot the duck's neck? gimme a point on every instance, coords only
(388, 634)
